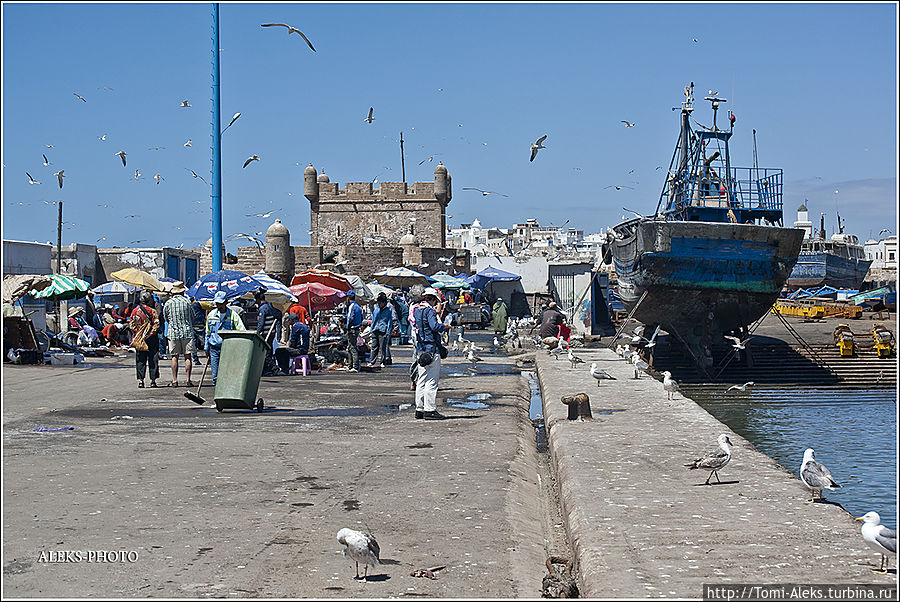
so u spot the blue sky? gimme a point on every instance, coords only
(817, 81)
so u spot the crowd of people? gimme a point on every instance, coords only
(175, 325)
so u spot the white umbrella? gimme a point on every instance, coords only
(277, 293)
(363, 292)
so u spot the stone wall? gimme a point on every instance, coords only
(343, 221)
(364, 261)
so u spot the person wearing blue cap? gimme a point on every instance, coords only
(221, 318)
(354, 320)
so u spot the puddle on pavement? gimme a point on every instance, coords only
(606, 411)
(472, 402)
(459, 370)
(536, 411)
(210, 411)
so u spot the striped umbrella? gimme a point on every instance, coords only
(277, 293)
(317, 296)
(401, 277)
(335, 281)
(114, 287)
(63, 288)
(234, 283)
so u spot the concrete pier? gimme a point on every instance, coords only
(643, 525)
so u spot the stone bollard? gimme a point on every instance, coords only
(579, 406)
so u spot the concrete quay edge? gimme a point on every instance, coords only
(641, 524)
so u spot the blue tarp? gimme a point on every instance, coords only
(488, 275)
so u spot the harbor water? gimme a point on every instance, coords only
(853, 433)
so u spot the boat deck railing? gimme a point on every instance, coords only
(749, 191)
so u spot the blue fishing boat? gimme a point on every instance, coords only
(715, 255)
(839, 262)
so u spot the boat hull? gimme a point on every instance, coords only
(818, 268)
(702, 279)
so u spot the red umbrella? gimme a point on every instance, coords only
(317, 296)
(330, 279)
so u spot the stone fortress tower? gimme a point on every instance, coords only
(361, 215)
(279, 253)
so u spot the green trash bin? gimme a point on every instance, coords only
(240, 368)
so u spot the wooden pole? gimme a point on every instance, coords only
(402, 159)
(59, 262)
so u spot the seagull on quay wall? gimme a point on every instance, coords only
(359, 547)
(59, 176)
(815, 476)
(639, 365)
(599, 374)
(742, 388)
(574, 359)
(538, 145)
(368, 118)
(250, 160)
(714, 460)
(290, 31)
(233, 119)
(121, 155)
(880, 538)
(30, 179)
(472, 357)
(669, 384)
(486, 192)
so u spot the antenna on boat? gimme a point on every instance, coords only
(755, 162)
(715, 100)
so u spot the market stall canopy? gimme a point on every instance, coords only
(401, 277)
(277, 293)
(445, 280)
(115, 287)
(62, 288)
(488, 275)
(16, 286)
(363, 292)
(316, 296)
(335, 281)
(138, 278)
(234, 283)
(380, 288)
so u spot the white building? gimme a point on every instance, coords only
(803, 221)
(882, 253)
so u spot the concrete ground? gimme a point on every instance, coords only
(643, 525)
(248, 505)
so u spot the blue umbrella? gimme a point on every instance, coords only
(488, 275)
(234, 283)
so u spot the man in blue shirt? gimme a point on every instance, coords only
(428, 333)
(354, 320)
(298, 344)
(267, 318)
(382, 323)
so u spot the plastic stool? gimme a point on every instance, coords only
(300, 362)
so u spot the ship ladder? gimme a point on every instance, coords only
(627, 320)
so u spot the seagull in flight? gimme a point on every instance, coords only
(737, 343)
(429, 159)
(251, 159)
(196, 175)
(30, 179)
(742, 388)
(233, 119)
(188, 143)
(617, 187)
(486, 192)
(628, 124)
(290, 31)
(249, 237)
(137, 174)
(46, 160)
(158, 178)
(369, 118)
(185, 104)
(263, 215)
(77, 95)
(537, 146)
(121, 155)
(156, 148)
(102, 138)
(59, 176)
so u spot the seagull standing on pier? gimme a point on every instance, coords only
(359, 547)
(880, 538)
(669, 384)
(639, 365)
(714, 460)
(599, 374)
(815, 476)
(574, 358)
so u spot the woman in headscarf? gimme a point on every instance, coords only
(498, 313)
